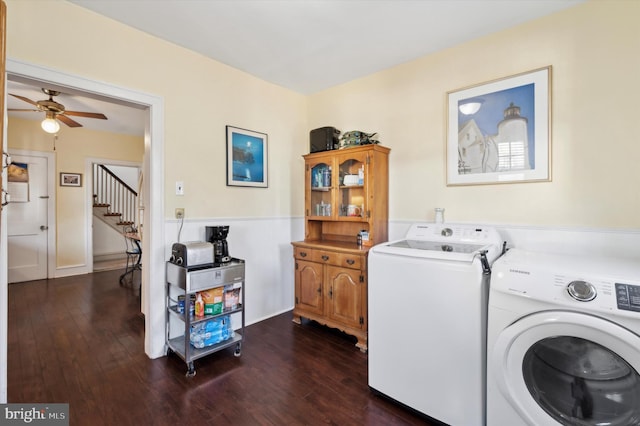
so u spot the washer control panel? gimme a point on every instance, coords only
(628, 297)
(594, 284)
(462, 233)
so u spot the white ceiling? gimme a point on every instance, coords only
(310, 45)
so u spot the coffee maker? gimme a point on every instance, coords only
(217, 235)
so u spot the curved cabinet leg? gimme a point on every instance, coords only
(362, 344)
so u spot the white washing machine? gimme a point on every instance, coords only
(563, 344)
(427, 297)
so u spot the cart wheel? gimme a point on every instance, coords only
(191, 371)
(238, 350)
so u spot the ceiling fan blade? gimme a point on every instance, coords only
(86, 114)
(69, 122)
(23, 110)
(24, 99)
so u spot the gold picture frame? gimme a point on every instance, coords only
(500, 131)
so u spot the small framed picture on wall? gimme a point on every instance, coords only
(71, 179)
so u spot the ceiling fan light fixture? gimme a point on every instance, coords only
(50, 125)
(55, 112)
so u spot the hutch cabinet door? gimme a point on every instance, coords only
(352, 173)
(344, 296)
(319, 182)
(308, 282)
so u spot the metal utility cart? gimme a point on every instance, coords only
(183, 283)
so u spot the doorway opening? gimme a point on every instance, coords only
(116, 207)
(152, 303)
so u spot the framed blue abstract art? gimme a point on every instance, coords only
(246, 158)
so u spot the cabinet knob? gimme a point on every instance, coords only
(350, 261)
(303, 254)
(325, 257)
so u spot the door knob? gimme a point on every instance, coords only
(43, 227)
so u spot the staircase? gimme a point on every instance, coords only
(114, 202)
(113, 219)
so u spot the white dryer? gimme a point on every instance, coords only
(563, 342)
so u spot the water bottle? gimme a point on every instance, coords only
(326, 177)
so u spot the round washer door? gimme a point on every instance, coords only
(569, 368)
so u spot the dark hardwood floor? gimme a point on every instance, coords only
(79, 340)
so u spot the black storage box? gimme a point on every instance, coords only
(324, 139)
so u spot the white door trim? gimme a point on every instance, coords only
(153, 169)
(51, 205)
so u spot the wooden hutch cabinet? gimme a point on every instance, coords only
(346, 192)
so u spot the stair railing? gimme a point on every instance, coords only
(111, 191)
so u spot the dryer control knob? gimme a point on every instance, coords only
(446, 232)
(582, 291)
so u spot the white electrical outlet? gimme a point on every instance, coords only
(179, 188)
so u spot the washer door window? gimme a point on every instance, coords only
(577, 381)
(570, 369)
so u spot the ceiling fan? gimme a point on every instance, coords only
(55, 111)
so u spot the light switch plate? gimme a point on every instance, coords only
(179, 188)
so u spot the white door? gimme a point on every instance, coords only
(27, 228)
(568, 368)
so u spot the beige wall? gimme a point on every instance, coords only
(594, 51)
(201, 97)
(72, 148)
